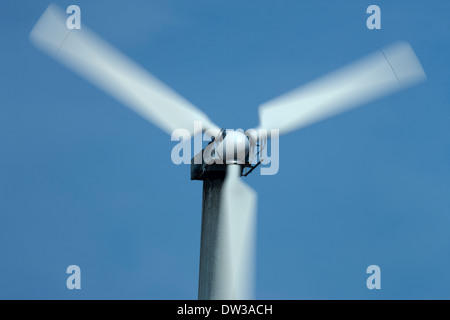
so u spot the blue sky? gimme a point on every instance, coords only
(85, 181)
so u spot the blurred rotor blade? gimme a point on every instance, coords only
(238, 209)
(386, 71)
(86, 54)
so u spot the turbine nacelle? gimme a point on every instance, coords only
(227, 147)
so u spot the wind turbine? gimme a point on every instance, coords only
(229, 205)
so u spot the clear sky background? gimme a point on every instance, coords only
(85, 181)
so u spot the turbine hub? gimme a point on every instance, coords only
(234, 148)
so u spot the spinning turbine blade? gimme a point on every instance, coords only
(237, 241)
(86, 54)
(384, 72)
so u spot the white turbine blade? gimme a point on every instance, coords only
(86, 54)
(238, 210)
(384, 72)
